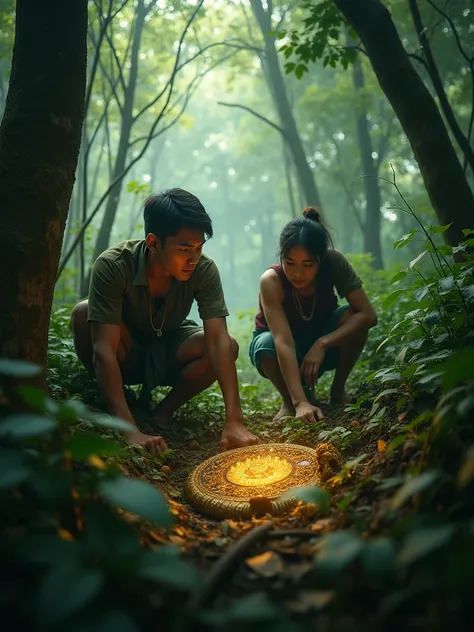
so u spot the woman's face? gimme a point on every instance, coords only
(300, 267)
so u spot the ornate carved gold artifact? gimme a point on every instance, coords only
(231, 484)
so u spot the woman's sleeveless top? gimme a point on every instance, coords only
(325, 302)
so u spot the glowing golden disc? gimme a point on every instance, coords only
(229, 484)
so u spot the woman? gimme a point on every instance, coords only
(300, 332)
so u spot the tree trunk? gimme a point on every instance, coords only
(282, 105)
(370, 176)
(39, 146)
(419, 116)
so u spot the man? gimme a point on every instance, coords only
(133, 327)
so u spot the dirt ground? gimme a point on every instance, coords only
(279, 561)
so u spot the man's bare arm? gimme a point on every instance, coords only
(272, 302)
(221, 353)
(105, 348)
(105, 345)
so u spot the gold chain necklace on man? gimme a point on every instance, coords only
(300, 308)
(159, 331)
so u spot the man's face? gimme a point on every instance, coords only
(180, 253)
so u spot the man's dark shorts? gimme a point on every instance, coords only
(154, 362)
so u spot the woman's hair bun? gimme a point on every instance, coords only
(310, 212)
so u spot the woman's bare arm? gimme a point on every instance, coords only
(271, 293)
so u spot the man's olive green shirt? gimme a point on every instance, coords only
(119, 292)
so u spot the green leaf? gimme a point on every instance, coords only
(403, 241)
(395, 442)
(107, 421)
(355, 461)
(300, 70)
(253, 608)
(399, 276)
(413, 486)
(111, 621)
(439, 229)
(34, 397)
(108, 536)
(138, 497)
(18, 368)
(414, 261)
(388, 391)
(391, 298)
(315, 495)
(26, 426)
(467, 231)
(13, 469)
(337, 551)
(82, 446)
(168, 570)
(378, 557)
(47, 549)
(72, 410)
(65, 590)
(457, 368)
(423, 542)
(446, 284)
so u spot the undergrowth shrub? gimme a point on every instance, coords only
(69, 541)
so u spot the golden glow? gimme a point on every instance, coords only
(259, 470)
(227, 484)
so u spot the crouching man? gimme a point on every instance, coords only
(133, 327)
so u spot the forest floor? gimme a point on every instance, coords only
(279, 563)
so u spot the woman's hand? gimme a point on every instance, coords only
(308, 412)
(311, 363)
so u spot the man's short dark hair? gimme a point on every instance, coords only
(168, 211)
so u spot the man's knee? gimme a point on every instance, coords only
(81, 334)
(235, 346)
(79, 317)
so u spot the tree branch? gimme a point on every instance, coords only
(117, 61)
(289, 7)
(256, 114)
(438, 85)
(454, 30)
(185, 63)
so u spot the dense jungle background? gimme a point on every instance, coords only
(361, 107)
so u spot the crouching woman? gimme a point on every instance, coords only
(300, 331)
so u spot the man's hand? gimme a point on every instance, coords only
(236, 435)
(308, 412)
(310, 366)
(152, 443)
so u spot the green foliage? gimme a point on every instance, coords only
(320, 39)
(65, 539)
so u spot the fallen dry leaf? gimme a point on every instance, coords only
(310, 600)
(322, 524)
(308, 549)
(266, 564)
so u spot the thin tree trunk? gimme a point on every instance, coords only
(39, 146)
(282, 105)
(103, 236)
(444, 179)
(370, 176)
(289, 179)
